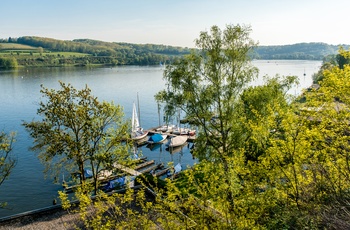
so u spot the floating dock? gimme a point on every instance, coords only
(131, 171)
(191, 137)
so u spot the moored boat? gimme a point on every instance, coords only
(157, 138)
(177, 141)
(137, 132)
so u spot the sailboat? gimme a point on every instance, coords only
(157, 138)
(177, 141)
(137, 132)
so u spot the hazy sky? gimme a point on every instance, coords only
(176, 22)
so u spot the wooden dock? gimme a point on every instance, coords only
(127, 169)
(145, 164)
(151, 168)
(161, 172)
(170, 134)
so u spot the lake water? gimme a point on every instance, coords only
(27, 189)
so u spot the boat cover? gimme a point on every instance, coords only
(155, 138)
(177, 141)
(177, 168)
(119, 182)
(87, 173)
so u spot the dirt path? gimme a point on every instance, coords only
(55, 219)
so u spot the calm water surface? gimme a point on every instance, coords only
(27, 188)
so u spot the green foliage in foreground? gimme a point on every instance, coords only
(77, 132)
(267, 162)
(340, 60)
(299, 180)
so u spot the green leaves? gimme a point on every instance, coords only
(7, 161)
(77, 131)
(265, 160)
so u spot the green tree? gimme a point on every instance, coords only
(40, 50)
(327, 116)
(78, 132)
(238, 127)
(206, 86)
(7, 162)
(8, 63)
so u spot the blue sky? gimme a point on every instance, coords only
(176, 22)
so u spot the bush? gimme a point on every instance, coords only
(8, 63)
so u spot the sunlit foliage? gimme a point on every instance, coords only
(267, 161)
(77, 132)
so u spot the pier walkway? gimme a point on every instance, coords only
(127, 169)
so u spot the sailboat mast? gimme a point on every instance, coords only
(158, 114)
(138, 109)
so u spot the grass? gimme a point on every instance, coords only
(16, 50)
(26, 53)
(15, 46)
(68, 54)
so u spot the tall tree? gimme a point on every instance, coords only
(77, 132)
(206, 86)
(237, 124)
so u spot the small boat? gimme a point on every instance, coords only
(192, 132)
(166, 128)
(179, 131)
(137, 132)
(163, 128)
(157, 138)
(184, 131)
(118, 183)
(177, 141)
(174, 171)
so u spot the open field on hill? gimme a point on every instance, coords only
(16, 46)
(25, 53)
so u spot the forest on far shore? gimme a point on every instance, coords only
(30, 51)
(299, 51)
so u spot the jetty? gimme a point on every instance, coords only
(145, 164)
(131, 171)
(158, 129)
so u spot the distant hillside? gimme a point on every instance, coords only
(40, 51)
(299, 51)
(80, 52)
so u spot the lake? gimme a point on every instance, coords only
(27, 188)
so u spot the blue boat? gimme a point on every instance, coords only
(157, 138)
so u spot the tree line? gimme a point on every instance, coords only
(299, 51)
(117, 53)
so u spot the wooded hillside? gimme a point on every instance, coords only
(97, 52)
(40, 51)
(300, 51)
